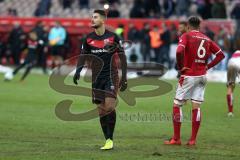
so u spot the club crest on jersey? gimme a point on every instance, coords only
(112, 87)
(106, 41)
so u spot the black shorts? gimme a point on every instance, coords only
(104, 87)
(31, 58)
(57, 50)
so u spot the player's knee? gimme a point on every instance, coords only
(196, 104)
(109, 108)
(231, 85)
(179, 102)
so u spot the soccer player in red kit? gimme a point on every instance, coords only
(193, 52)
(233, 72)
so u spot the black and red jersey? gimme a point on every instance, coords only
(104, 51)
(32, 46)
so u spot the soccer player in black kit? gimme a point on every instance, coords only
(102, 49)
(31, 58)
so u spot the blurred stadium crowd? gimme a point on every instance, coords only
(149, 43)
(122, 8)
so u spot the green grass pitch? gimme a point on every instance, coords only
(30, 130)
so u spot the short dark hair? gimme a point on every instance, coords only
(194, 22)
(183, 23)
(101, 12)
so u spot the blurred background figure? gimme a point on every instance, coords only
(168, 7)
(42, 49)
(156, 42)
(235, 13)
(209, 33)
(120, 31)
(31, 58)
(152, 8)
(16, 42)
(145, 42)
(83, 4)
(56, 38)
(113, 11)
(12, 12)
(134, 52)
(66, 4)
(5, 55)
(223, 38)
(182, 7)
(137, 11)
(219, 9)
(43, 8)
(204, 9)
(165, 47)
(182, 27)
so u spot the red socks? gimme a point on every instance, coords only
(177, 119)
(196, 120)
(230, 102)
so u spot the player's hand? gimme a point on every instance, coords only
(123, 85)
(76, 77)
(184, 69)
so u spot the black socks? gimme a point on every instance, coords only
(108, 124)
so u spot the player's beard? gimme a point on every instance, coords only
(95, 26)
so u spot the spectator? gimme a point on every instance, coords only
(30, 59)
(174, 34)
(209, 33)
(223, 39)
(152, 8)
(12, 12)
(42, 35)
(236, 37)
(167, 8)
(145, 42)
(83, 4)
(120, 31)
(134, 53)
(204, 9)
(113, 11)
(236, 11)
(56, 38)
(3, 48)
(43, 8)
(155, 41)
(137, 10)
(182, 28)
(66, 46)
(182, 7)
(109, 1)
(165, 47)
(219, 9)
(66, 3)
(16, 42)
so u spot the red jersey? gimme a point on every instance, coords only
(197, 50)
(236, 54)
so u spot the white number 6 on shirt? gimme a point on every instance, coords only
(201, 52)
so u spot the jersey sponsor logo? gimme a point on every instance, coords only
(99, 51)
(200, 61)
(32, 46)
(201, 37)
